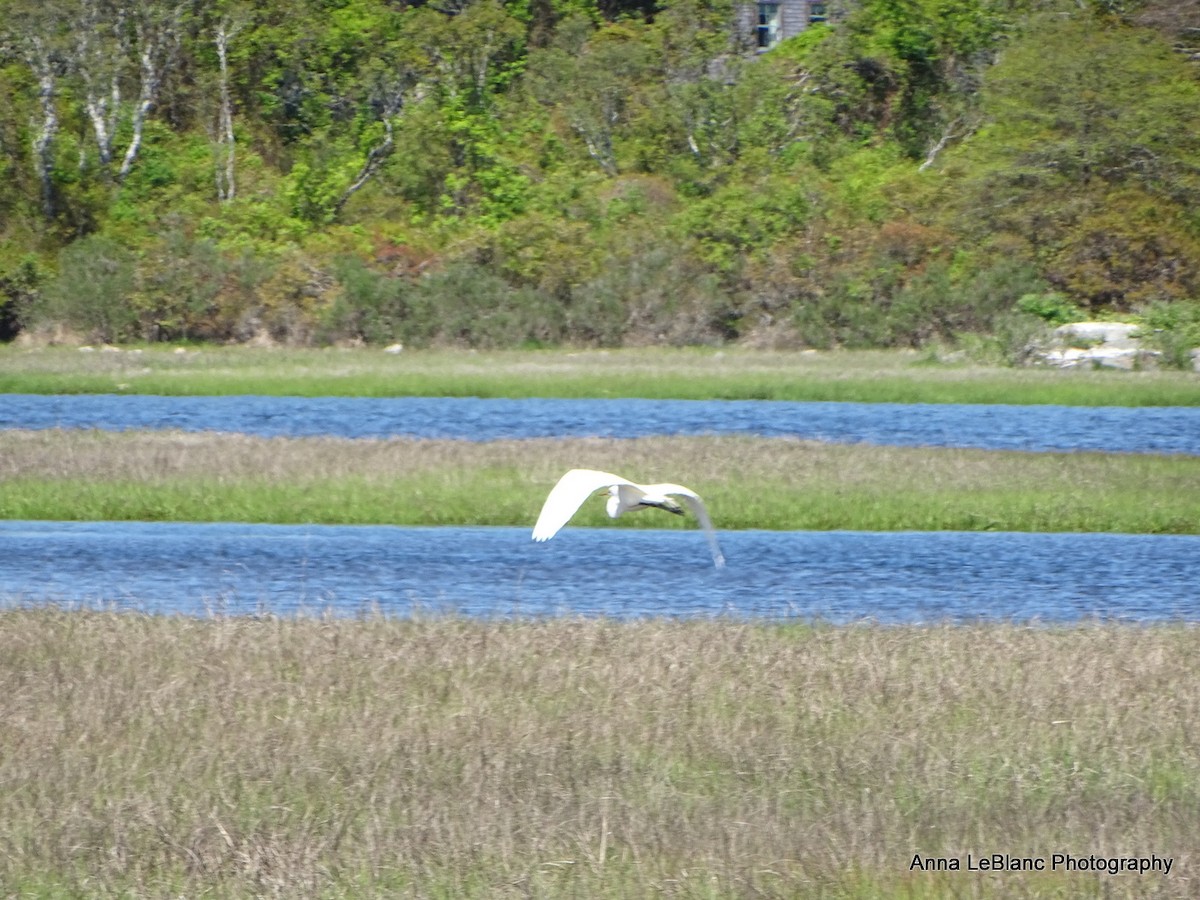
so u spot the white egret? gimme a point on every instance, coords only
(623, 495)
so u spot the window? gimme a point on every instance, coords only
(816, 13)
(768, 25)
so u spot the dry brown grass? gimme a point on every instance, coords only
(153, 455)
(238, 757)
(749, 482)
(700, 373)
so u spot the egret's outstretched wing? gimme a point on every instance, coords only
(566, 498)
(696, 505)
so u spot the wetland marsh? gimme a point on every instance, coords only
(748, 482)
(682, 373)
(258, 755)
(71, 474)
(240, 756)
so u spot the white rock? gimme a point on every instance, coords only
(1098, 332)
(1111, 345)
(1106, 357)
(394, 348)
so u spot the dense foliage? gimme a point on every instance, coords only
(596, 172)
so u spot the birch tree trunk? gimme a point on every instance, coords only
(38, 56)
(99, 65)
(155, 52)
(226, 150)
(375, 158)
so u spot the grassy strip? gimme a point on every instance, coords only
(747, 482)
(156, 756)
(873, 376)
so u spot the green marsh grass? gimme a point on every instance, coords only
(747, 482)
(260, 757)
(873, 376)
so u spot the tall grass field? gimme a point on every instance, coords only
(730, 374)
(238, 757)
(747, 482)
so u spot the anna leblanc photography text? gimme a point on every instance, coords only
(1056, 862)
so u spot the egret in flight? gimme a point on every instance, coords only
(579, 484)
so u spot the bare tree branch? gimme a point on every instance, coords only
(393, 102)
(947, 136)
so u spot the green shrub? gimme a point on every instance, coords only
(465, 304)
(1174, 330)
(1052, 308)
(740, 219)
(1013, 340)
(92, 292)
(891, 306)
(291, 302)
(19, 283)
(371, 306)
(181, 282)
(651, 292)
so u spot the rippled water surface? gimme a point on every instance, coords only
(1118, 429)
(620, 572)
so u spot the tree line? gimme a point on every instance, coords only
(597, 172)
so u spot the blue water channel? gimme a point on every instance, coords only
(904, 577)
(1113, 429)
(621, 572)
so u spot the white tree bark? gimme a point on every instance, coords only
(38, 56)
(392, 105)
(226, 146)
(932, 155)
(99, 66)
(157, 40)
